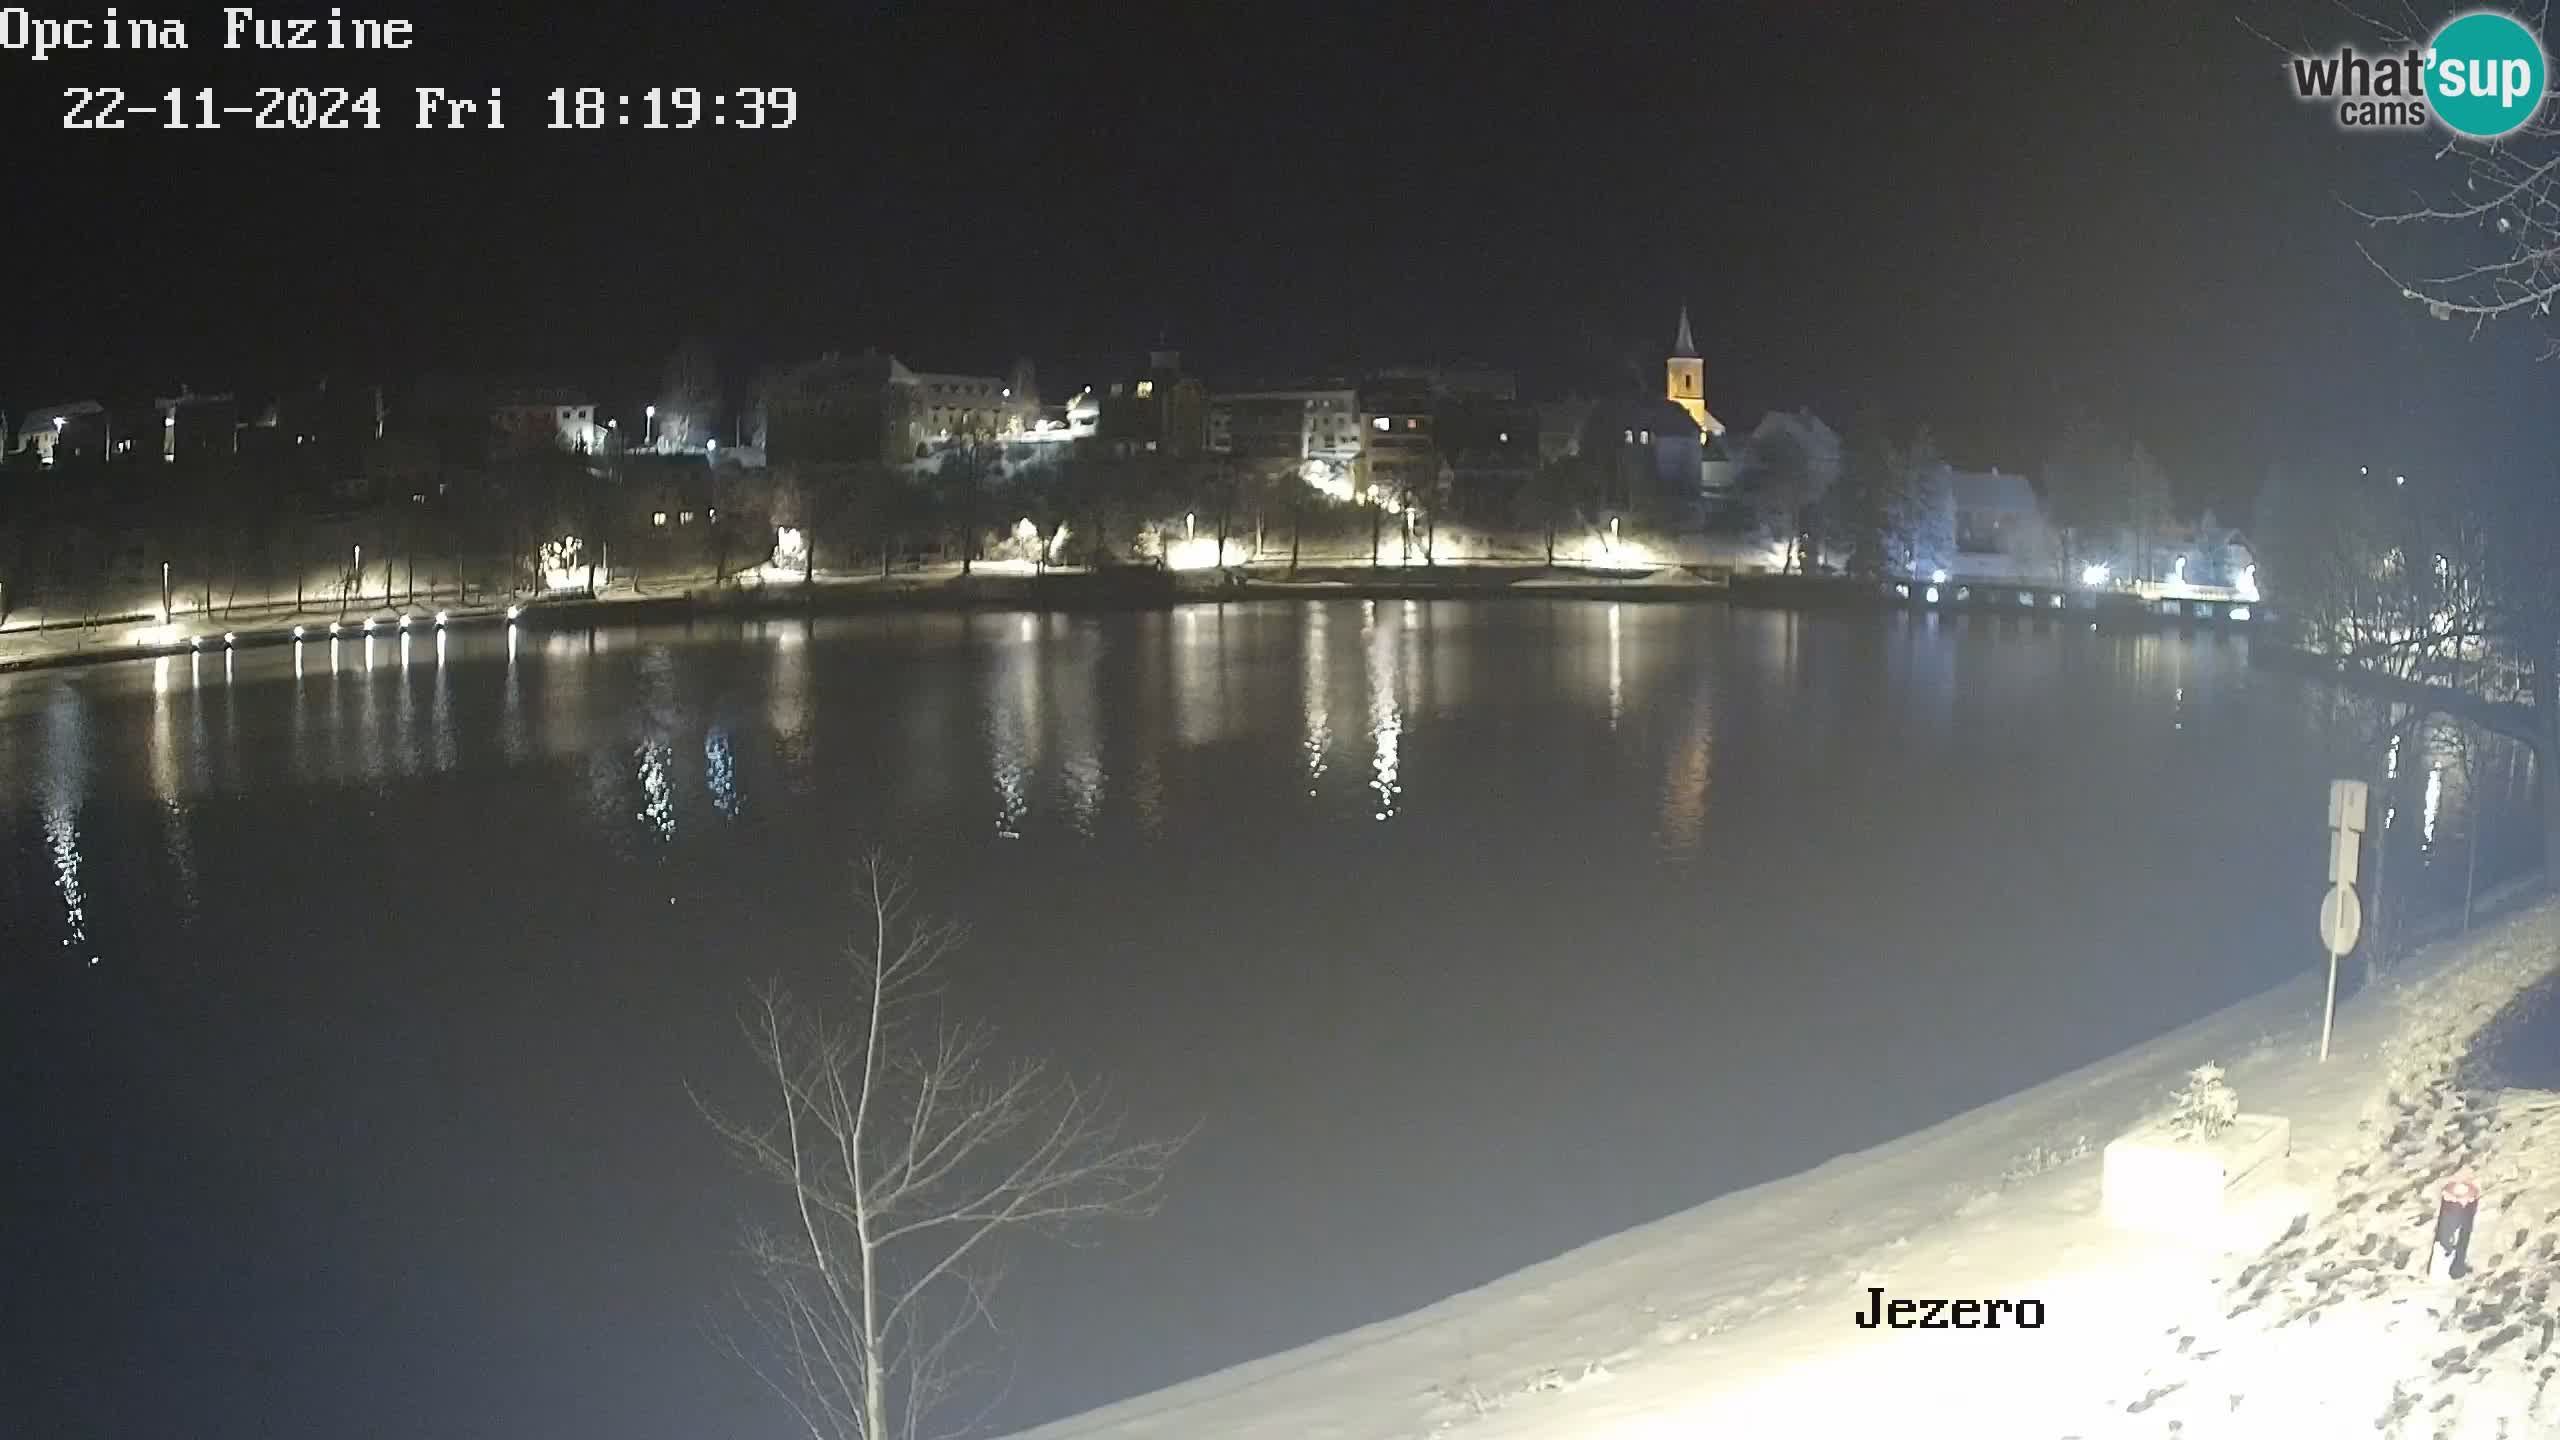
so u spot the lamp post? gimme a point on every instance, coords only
(652, 414)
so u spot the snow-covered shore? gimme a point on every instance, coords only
(1737, 1315)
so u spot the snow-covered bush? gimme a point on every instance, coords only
(2206, 1107)
(2039, 1158)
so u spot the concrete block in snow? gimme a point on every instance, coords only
(2155, 1181)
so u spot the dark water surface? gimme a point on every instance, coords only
(349, 1004)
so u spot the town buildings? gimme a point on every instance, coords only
(1162, 411)
(1443, 445)
(539, 417)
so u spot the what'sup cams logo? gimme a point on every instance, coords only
(2482, 76)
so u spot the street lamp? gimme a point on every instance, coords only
(652, 413)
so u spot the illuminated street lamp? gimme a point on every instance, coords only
(652, 413)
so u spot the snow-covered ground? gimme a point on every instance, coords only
(2308, 1314)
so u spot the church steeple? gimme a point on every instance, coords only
(1684, 380)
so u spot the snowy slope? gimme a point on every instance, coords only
(1737, 1315)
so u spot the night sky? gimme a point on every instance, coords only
(1981, 217)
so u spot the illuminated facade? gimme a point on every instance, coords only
(993, 406)
(1287, 425)
(1684, 380)
(544, 419)
(77, 432)
(1164, 413)
(841, 409)
(1397, 418)
(196, 426)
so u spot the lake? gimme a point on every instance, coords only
(352, 992)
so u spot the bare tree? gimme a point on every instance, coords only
(2511, 195)
(909, 1156)
(688, 397)
(2501, 217)
(1787, 470)
(2439, 595)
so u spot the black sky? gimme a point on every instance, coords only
(1979, 216)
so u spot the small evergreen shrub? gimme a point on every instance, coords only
(2206, 1107)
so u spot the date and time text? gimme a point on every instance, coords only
(428, 107)
(112, 37)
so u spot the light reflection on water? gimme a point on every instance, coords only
(1617, 674)
(1075, 664)
(720, 772)
(1083, 723)
(1013, 729)
(1192, 797)
(1386, 716)
(65, 783)
(657, 791)
(1317, 681)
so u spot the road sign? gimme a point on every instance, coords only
(2346, 805)
(2341, 919)
(2344, 848)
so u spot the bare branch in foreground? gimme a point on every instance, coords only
(908, 1156)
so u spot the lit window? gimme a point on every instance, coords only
(658, 518)
(1505, 437)
(684, 517)
(1647, 436)
(1146, 388)
(711, 514)
(1384, 423)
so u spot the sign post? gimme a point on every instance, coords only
(2341, 916)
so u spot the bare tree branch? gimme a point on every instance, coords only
(2505, 201)
(909, 1157)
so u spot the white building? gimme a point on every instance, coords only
(1299, 425)
(993, 406)
(564, 419)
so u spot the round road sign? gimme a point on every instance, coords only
(2341, 919)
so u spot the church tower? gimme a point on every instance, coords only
(1685, 381)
